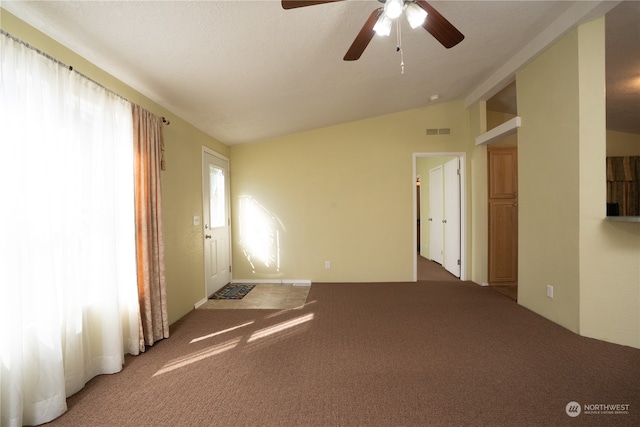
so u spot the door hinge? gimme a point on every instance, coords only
(230, 267)
(458, 262)
(458, 171)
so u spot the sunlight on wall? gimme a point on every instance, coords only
(260, 232)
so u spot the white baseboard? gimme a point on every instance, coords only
(201, 302)
(297, 282)
(484, 284)
(301, 282)
(256, 281)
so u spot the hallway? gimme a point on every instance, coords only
(432, 271)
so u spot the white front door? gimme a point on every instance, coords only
(435, 215)
(451, 219)
(216, 221)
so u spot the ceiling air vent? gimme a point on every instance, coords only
(443, 131)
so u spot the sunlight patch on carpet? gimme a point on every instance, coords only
(280, 327)
(197, 356)
(215, 334)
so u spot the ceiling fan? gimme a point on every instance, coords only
(418, 13)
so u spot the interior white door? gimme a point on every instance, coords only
(451, 218)
(435, 214)
(216, 221)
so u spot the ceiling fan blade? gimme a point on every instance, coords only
(363, 38)
(292, 4)
(438, 26)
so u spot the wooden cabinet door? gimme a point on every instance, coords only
(503, 215)
(503, 173)
(503, 241)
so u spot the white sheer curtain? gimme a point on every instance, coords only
(68, 293)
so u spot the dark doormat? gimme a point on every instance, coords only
(231, 291)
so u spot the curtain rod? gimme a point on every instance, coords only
(57, 61)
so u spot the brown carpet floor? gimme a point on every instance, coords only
(368, 354)
(510, 290)
(432, 271)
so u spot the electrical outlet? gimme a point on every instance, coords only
(549, 291)
(327, 265)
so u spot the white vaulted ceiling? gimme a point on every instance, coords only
(244, 71)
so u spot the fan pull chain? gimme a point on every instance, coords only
(399, 46)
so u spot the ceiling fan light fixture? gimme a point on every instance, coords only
(393, 8)
(383, 25)
(415, 14)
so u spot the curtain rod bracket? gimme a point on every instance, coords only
(165, 121)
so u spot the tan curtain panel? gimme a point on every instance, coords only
(148, 150)
(623, 184)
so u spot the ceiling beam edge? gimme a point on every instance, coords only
(499, 132)
(577, 14)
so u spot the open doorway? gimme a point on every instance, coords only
(454, 235)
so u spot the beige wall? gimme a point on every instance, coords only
(181, 183)
(342, 194)
(182, 200)
(565, 240)
(549, 169)
(609, 254)
(479, 197)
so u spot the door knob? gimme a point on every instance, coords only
(207, 236)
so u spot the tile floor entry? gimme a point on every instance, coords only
(266, 296)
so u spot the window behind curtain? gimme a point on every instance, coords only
(68, 293)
